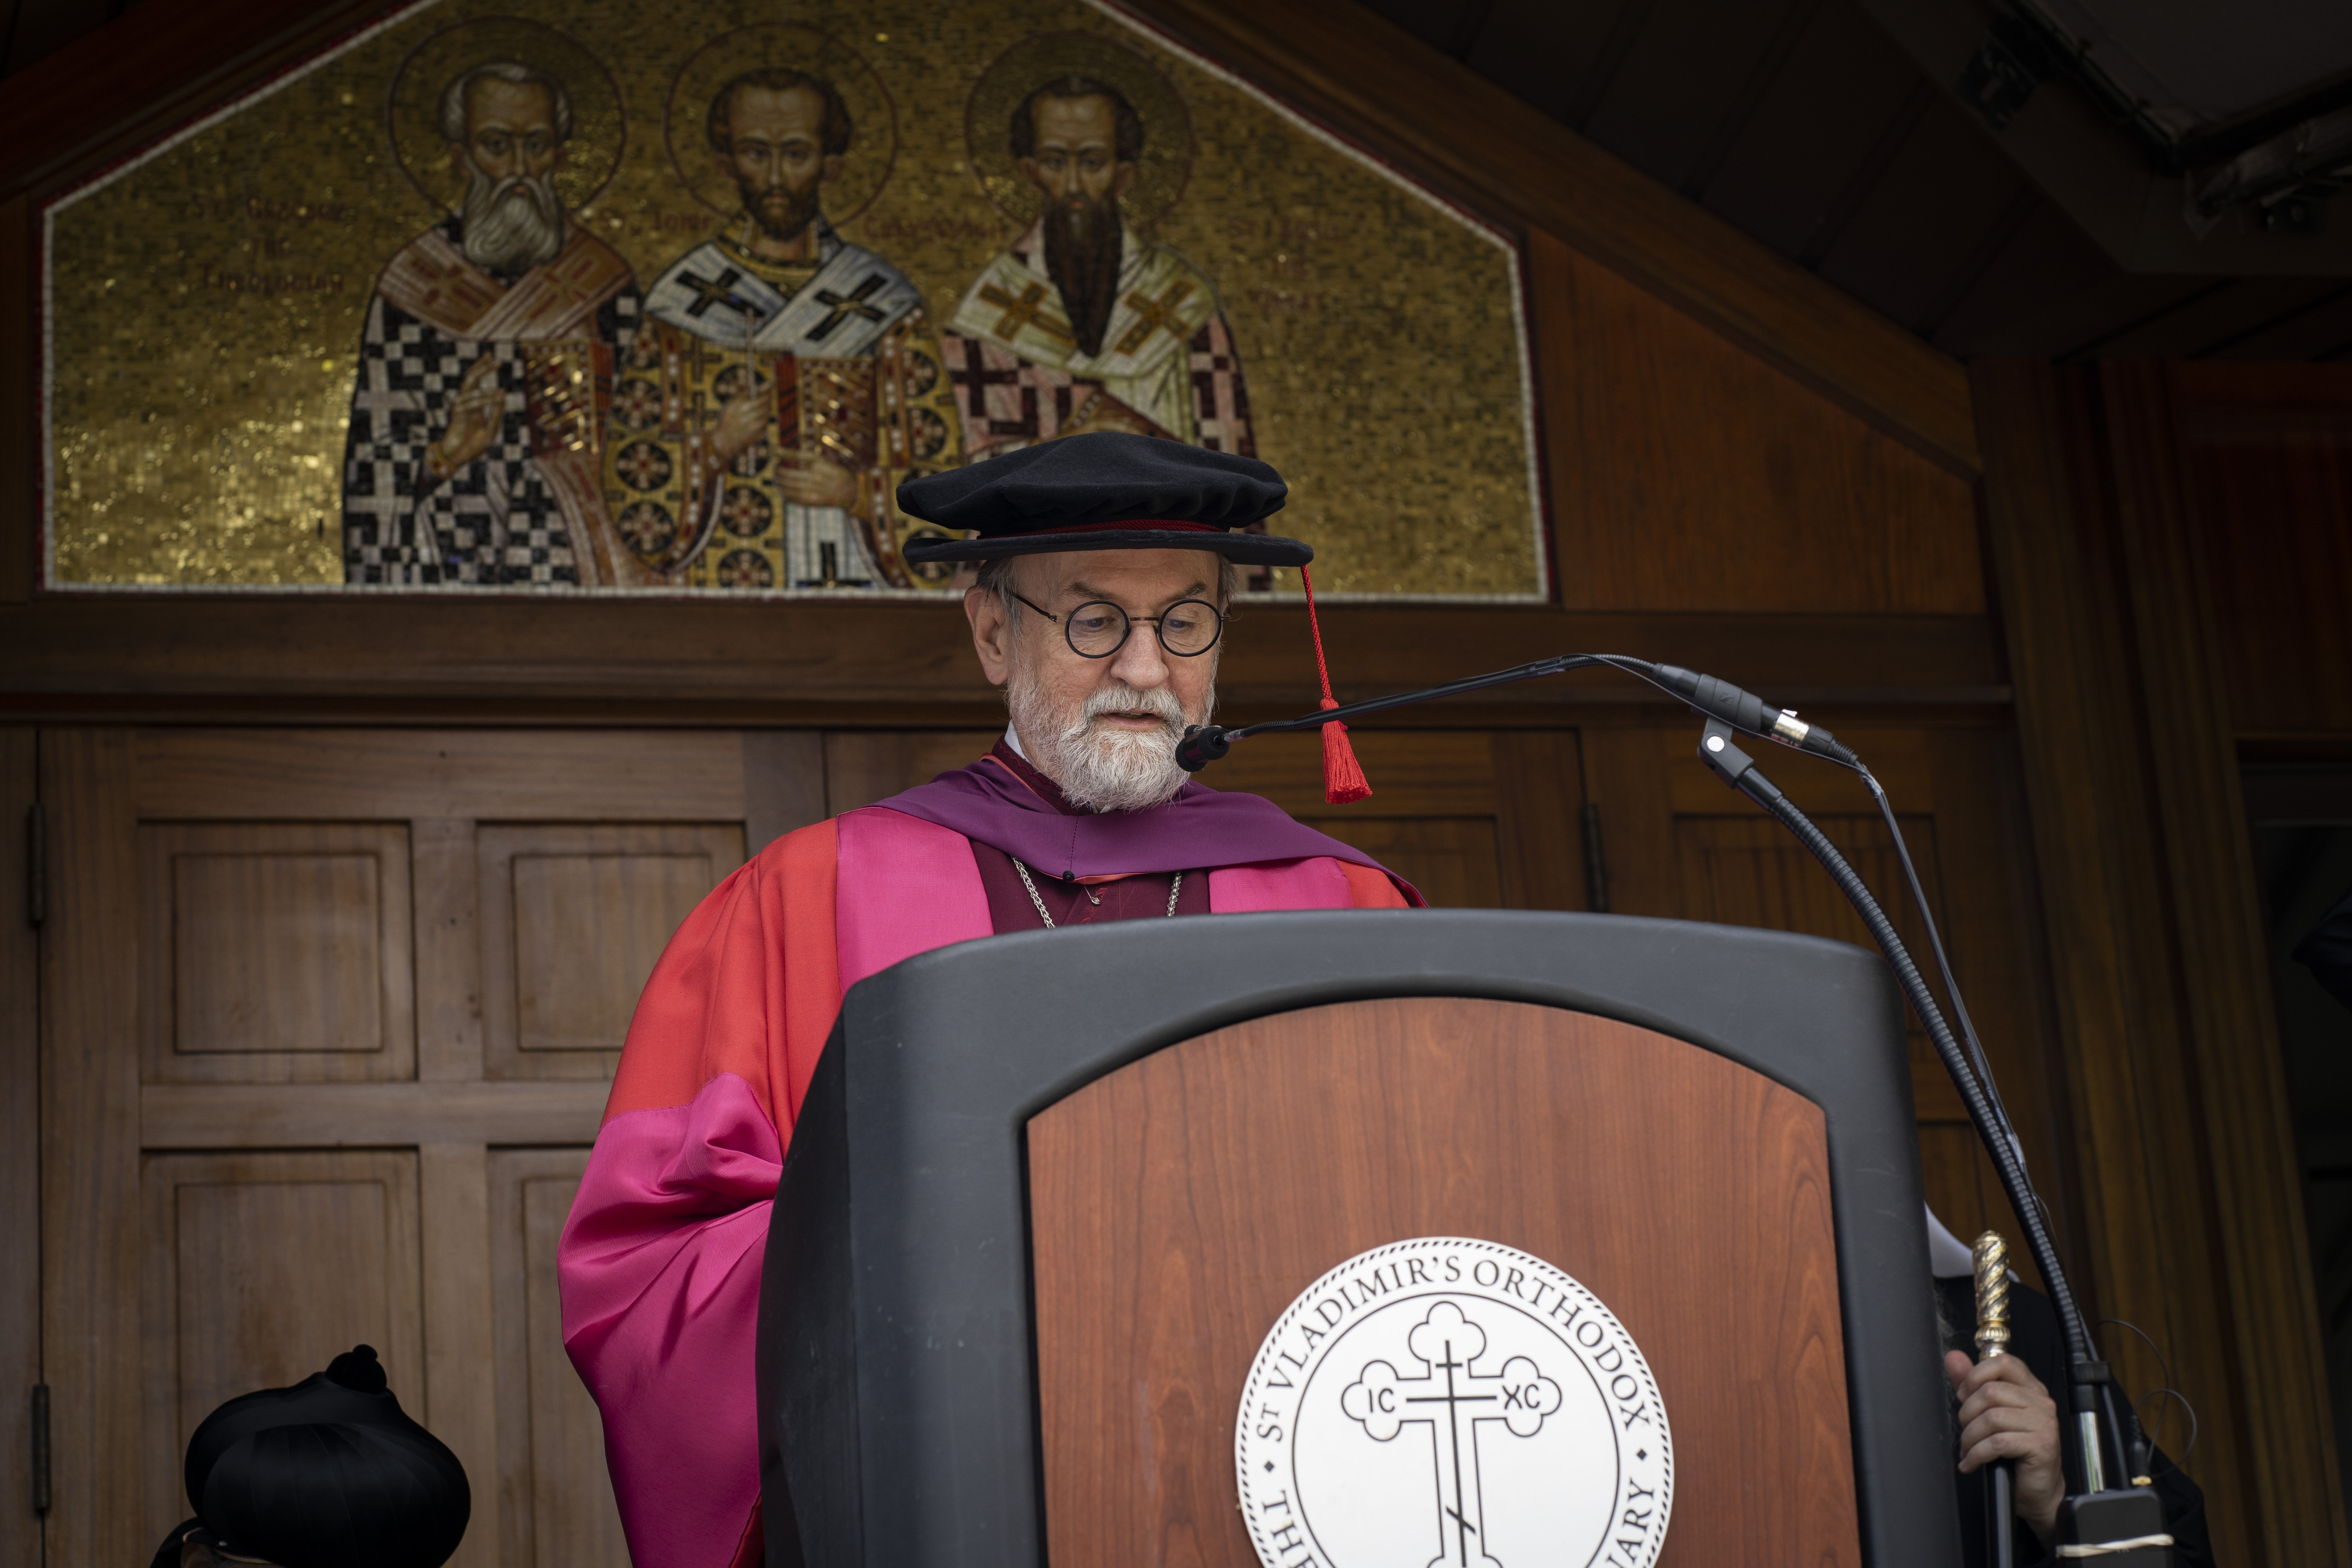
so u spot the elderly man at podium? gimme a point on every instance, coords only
(1107, 563)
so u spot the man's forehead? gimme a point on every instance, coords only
(510, 104)
(1077, 118)
(1141, 574)
(775, 113)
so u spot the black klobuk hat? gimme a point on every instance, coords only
(331, 1473)
(1103, 491)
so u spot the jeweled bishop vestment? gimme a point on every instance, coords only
(1166, 366)
(840, 350)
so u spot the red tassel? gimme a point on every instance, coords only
(1343, 777)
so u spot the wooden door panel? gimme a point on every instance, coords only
(416, 950)
(550, 1439)
(258, 1270)
(574, 916)
(277, 952)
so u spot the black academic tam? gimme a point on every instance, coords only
(1106, 490)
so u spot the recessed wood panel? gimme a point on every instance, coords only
(1750, 871)
(574, 916)
(2268, 450)
(1452, 860)
(550, 1438)
(1179, 1205)
(257, 1270)
(278, 952)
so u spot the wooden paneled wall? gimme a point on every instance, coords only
(2267, 453)
(1687, 474)
(2189, 1190)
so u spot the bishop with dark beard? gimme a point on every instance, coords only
(469, 456)
(1084, 324)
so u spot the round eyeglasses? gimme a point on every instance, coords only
(1098, 628)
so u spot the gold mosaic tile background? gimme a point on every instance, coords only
(205, 306)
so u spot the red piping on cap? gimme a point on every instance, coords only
(1343, 776)
(1138, 522)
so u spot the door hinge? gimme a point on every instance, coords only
(1596, 866)
(36, 865)
(40, 1447)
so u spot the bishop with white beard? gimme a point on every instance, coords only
(472, 456)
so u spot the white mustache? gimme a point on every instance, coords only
(1160, 702)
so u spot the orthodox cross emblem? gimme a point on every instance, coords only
(1029, 310)
(1155, 315)
(844, 306)
(719, 291)
(1452, 1399)
(1447, 1402)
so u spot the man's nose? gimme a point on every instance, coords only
(1141, 662)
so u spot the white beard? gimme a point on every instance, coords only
(512, 224)
(1098, 768)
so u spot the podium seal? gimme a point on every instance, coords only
(1448, 1400)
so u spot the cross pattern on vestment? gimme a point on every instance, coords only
(1029, 310)
(1447, 1400)
(719, 291)
(1153, 315)
(844, 306)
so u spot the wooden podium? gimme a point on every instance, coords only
(1050, 1192)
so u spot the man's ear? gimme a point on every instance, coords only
(458, 158)
(992, 634)
(1123, 180)
(828, 168)
(1028, 167)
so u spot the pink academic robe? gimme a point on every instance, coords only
(659, 1263)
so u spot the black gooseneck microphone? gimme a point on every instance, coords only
(1743, 710)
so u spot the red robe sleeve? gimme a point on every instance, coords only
(658, 1265)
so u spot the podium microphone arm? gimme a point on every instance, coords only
(2089, 1376)
(1729, 710)
(1743, 710)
